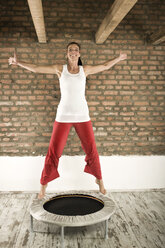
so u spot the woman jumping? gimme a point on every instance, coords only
(72, 111)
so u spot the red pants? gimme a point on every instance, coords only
(56, 146)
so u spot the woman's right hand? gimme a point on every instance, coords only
(13, 60)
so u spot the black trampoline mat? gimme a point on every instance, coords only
(73, 204)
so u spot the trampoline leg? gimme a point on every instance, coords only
(62, 237)
(106, 229)
(31, 226)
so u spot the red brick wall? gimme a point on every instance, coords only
(126, 103)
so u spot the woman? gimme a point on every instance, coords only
(72, 111)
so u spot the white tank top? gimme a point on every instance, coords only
(73, 105)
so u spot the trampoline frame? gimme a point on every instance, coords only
(39, 213)
(62, 230)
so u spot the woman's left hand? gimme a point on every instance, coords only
(122, 56)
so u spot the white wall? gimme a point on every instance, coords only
(119, 173)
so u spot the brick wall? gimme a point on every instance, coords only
(126, 103)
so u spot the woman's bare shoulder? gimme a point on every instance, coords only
(58, 69)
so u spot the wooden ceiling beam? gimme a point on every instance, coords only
(158, 37)
(116, 13)
(36, 10)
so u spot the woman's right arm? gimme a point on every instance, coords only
(50, 69)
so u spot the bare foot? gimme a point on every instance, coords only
(42, 191)
(101, 186)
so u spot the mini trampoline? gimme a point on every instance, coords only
(73, 209)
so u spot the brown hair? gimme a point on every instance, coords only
(74, 43)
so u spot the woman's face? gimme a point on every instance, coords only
(73, 52)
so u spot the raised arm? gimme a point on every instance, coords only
(93, 69)
(51, 69)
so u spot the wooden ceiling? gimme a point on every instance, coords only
(36, 10)
(114, 16)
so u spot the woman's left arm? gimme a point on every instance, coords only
(92, 69)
